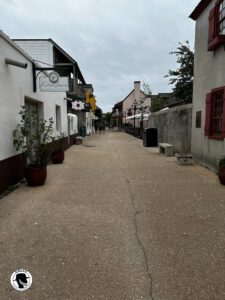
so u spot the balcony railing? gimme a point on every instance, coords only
(75, 90)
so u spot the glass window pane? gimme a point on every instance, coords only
(217, 126)
(218, 113)
(222, 13)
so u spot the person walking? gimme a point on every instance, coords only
(103, 127)
(100, 128)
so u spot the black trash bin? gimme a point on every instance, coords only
(150, 137)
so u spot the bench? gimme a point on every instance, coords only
(184, 158)
(166, 148)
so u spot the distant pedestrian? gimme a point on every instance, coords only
(103, 127)
(100, 128)
(96, 127)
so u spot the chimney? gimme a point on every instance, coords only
(137, 91)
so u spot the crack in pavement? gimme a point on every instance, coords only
(136, 212)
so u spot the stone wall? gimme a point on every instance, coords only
(174, 126)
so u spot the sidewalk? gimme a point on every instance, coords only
(116, 221)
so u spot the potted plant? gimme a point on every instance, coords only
(31, 137)
(221, 173)
(59, 147)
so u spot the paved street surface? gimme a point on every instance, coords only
(116, 221)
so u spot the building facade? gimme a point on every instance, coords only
(208, 120)
(16, 90)
(134, 108)
(48, 53)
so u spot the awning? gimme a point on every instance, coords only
(134, 116)
(138, 116)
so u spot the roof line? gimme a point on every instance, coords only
(15, 46)
(199, 9)
(61, 50)
(128, 96)
(70, 58)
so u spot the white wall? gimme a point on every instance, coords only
(16, 84)
(40, 50)
(209, 73)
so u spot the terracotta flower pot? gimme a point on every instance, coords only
(58, 157)
(221, 175)
(35, 175)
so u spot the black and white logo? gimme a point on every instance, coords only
(21, 280)
(53, 77)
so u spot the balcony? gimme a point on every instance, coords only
(75, 91)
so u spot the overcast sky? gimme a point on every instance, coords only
(115, 42)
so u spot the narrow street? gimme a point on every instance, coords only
(116, 221)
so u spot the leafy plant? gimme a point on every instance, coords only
(31, 136)
(222, 162)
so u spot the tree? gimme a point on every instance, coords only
(156, 102)
(108, 117)
(147, 89)
(182, 78)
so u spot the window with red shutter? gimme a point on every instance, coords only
(216, 31)
(215, 114)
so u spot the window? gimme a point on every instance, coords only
(215, 114)
(216, 35)
(221, 21)
(58, 117)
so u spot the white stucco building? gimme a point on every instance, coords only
(48, 53)
(16, 90)
(208, 122)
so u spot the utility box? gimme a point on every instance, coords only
(150, 137)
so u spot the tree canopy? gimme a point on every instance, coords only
(182, 78)
(156, 102)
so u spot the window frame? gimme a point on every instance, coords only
(223, 18)
(215, 39)
(210, 115)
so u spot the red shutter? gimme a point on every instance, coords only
(223, 121)
(212, 24)
(208, 114)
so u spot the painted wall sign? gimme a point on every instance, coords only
(61, 85)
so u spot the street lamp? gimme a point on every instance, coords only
(134, 106)
(125, 116)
